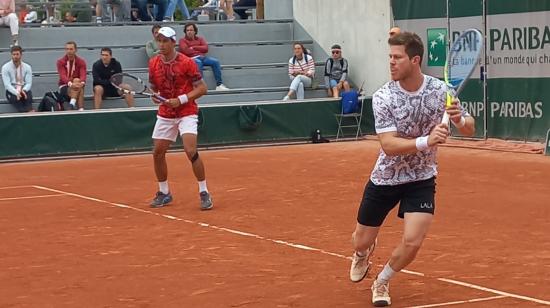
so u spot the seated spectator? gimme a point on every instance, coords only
(69, 18)
(336, 72)
(17, 78)
(151, 48)
(31, 17)
(81, 11)
(9, 18)
(171, 9)
(208, 7)
(242, 6)
(119, 8)
(72, 76)
(143, 13)
(301, 70)
(102, 70)
(227, 7)
(196, 47)
(23, 11)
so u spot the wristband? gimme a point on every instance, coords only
(422, 143)
(461, 123)
(70, 83)
(183, 99)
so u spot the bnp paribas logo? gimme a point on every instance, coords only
(437, 46)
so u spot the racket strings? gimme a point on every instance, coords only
(128, 83)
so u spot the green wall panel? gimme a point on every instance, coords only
(51, 134)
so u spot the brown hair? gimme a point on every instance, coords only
(72, 43)
(107, 49)
(412, 42)
(304, 50)
(191, 24)
(17, 48)
(155, 26)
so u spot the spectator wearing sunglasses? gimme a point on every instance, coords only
(336, 72)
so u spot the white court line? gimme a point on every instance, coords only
(31, 197)
(14, 187)
(473, 286)
(298, 246)
(460, 302)
(235, 189)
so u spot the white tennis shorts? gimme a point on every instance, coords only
(168, 129)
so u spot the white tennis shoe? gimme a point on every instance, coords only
(381, 294)
(360, 265)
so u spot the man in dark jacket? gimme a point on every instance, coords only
(102, 71)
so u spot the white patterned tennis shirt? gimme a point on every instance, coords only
(411, 115)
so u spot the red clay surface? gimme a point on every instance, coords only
(491, 229)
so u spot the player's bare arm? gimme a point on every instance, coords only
(464, 124)
(394, 145)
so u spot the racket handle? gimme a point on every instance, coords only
(448, 102)
(445, 118)
(160, 98)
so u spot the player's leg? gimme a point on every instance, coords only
(98, 96)
(364, 241)
(417, 208)
(164, 133)
(416, 228)
(377, 201)
(188, 131)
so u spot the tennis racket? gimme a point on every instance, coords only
(130, 84)
(461, 62)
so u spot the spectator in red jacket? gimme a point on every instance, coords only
(196, 47)
(72, 76)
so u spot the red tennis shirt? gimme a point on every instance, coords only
(173, 79)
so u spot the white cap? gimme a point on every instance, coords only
(168, 33)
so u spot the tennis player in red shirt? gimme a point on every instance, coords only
(177, 79)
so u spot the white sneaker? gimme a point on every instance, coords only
(360, 265)
(286, 98)
(381, 294)
(222, 87)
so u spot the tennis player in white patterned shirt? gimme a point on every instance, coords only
(408, 111)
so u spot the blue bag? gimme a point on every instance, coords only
(350, 101)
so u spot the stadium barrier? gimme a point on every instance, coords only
(126, 130)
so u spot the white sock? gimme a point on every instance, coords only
(202, 186)
(386, 274)
(163, 187)
(73, 101)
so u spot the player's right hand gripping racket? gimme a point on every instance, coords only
(461, 63)
(130, 84)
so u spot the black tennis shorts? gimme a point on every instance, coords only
(379, 200)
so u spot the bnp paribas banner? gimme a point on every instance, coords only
(517, 104)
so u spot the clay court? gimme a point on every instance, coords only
(79, 232)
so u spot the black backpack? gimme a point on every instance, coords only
(50, 102)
